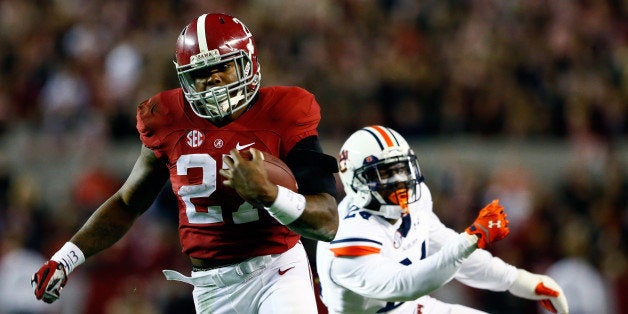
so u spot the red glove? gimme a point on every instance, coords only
(491, 224)
(48, 281)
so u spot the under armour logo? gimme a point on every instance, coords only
(491, 224)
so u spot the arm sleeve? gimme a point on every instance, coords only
(376, 276)
(481, 269)
(485, 271)
(313, 170)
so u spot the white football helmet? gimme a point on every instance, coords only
(380, 171)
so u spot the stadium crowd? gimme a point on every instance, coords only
(73, 71)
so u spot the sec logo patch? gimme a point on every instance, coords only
(195, 138)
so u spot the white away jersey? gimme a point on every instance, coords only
(381, 283)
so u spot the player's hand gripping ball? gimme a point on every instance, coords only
(278, 172)
(252, 173)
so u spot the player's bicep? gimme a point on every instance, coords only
(379, 277)
(439, 234)
(144, 182)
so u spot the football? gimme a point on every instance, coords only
(278, 172)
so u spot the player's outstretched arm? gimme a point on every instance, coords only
(105, 227)
(114, 217)
(379, 277)
(492, 225)
(540, 287)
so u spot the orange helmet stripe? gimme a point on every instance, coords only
(384, 134)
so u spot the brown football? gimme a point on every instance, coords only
(278, 172)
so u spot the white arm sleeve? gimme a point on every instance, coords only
(375, 276)
(481, 269)
(485, 271)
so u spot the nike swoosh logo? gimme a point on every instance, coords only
(241, 147)
(281, 272)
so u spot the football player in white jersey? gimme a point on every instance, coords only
(391, 250)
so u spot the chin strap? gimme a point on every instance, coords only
(374, 205)
(222, 106)
(390, 211)
(226, 106)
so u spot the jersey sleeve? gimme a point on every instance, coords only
(359, 264)
(355, 235)
(300, 116)
(379, 277)
(482, 270)
(155, 118)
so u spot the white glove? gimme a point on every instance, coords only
(540, 287)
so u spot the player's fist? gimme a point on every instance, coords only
(48, 281)
(542, 288)
(491, 224)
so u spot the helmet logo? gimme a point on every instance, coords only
(250, 47)
(342, 161)
(244, 28)
(195, 138)
(370, 159)
(211, 56)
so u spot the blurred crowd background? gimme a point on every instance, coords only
(522, 100)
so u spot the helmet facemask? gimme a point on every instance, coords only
(391, 182)
(219, 102)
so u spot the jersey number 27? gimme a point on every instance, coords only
(245, 213)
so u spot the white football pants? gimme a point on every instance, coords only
(429, 305)
(270, 284)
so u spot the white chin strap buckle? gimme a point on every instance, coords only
(390, 211)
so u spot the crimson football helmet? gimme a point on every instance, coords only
(379, 170)
(210, 41)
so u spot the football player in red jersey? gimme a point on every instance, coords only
(241, 232)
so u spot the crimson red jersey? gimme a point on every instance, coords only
(214, 222)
